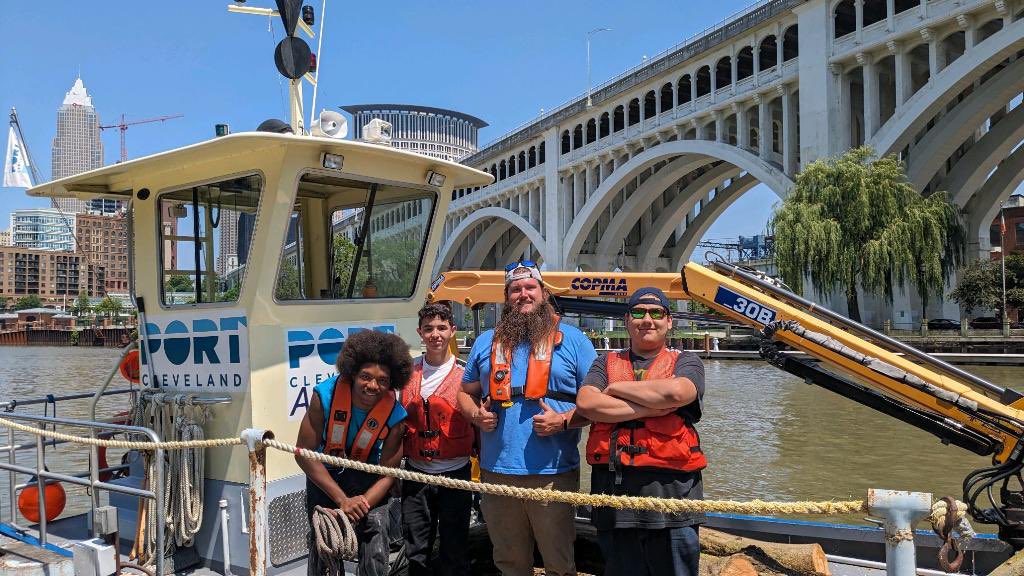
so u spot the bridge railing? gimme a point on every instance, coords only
(731, 26)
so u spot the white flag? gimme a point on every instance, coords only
(16, 163)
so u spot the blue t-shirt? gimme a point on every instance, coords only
(513, 448)
(326, 391)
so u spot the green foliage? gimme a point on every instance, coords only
(287, 282)
(396, 261)
(82, 304)
(75, 336)
(230, 295)
(980, 285)
(179, 283)
(26, 302)
(855, 220)
(110, 307)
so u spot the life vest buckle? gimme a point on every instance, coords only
(428, 433)
(633, 450)
(430, 453)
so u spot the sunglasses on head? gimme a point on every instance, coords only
(656, 313)
(524, 263)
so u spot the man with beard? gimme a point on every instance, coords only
(519, 389)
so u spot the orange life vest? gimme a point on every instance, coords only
(435, 428)
(668, 441)
(374, 428)
(538, 372)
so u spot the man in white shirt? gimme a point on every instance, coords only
(440, 441)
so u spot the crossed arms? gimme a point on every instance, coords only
(629, 400)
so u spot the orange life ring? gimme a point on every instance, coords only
(28, 501)
(130, 366)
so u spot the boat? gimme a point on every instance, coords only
(236, 361)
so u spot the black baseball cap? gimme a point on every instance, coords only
(644, 295)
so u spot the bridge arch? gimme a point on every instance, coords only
(925, 103)
(972, 169)
(700, 225)
(504, 220)
(984, 206)
(766, 173)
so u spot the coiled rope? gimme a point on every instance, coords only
(334, 539)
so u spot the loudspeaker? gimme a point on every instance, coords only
(330, 125)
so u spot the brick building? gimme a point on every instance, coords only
(104, 240)
(56, 277)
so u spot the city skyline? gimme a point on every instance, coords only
(229, 76)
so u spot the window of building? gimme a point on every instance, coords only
(371, 252)
(1018, 230)
(192, 240)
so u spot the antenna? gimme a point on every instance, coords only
(292, 56)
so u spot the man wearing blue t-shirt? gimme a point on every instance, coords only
(519, 389)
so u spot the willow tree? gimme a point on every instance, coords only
(855, 221)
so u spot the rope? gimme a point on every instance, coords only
(185, 470)
(949, 521)
(578, 499)
(129, 445)
(335, 540)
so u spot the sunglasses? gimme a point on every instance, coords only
(656, 313)
(524, 263)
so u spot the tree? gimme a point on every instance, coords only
(855, 221)
(82, 304)
(26, 302)
(980, 285)
(287, 282)
(179, 283)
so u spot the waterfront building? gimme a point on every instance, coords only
(435, 132)
(1013, 239)
(103, 240)
(56, 277)
(227, 248)
(43, 229)
(5, 238)
(77, 147)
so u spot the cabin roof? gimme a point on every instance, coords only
(115, 180)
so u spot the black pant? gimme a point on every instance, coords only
(429, 511)
(371, 531)
(642, 552)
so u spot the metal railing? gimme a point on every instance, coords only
(93, 482)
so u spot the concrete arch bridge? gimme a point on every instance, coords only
(635, 179)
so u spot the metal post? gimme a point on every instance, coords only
(158, 497)
(12, 458)
(41, 486)
(258, 534)
(1005, 324)
(901, 511)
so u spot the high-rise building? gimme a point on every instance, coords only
(77, 147)
(5, 238)
(103, 241)
(227, 249)
(435, 132)
(43, 229)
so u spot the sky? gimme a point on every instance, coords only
(501, 62)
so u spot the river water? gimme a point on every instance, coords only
(767, 434)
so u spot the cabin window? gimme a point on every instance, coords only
(349, 239)
(205, 235)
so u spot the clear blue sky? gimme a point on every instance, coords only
(498, 61)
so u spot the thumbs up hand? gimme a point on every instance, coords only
(548, 422)
(484, 419)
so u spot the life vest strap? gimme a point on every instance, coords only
(550, 394)
(428, 433)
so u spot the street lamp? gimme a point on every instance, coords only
(589, 34)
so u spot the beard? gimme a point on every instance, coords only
(516, 327)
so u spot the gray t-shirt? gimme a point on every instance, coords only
(655, 482)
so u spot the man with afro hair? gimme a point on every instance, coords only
(356, 415)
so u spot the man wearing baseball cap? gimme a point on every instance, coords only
(519, 389)
(644, 402)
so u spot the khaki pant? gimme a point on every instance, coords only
(516, 525)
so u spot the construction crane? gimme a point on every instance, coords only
(123, 126)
